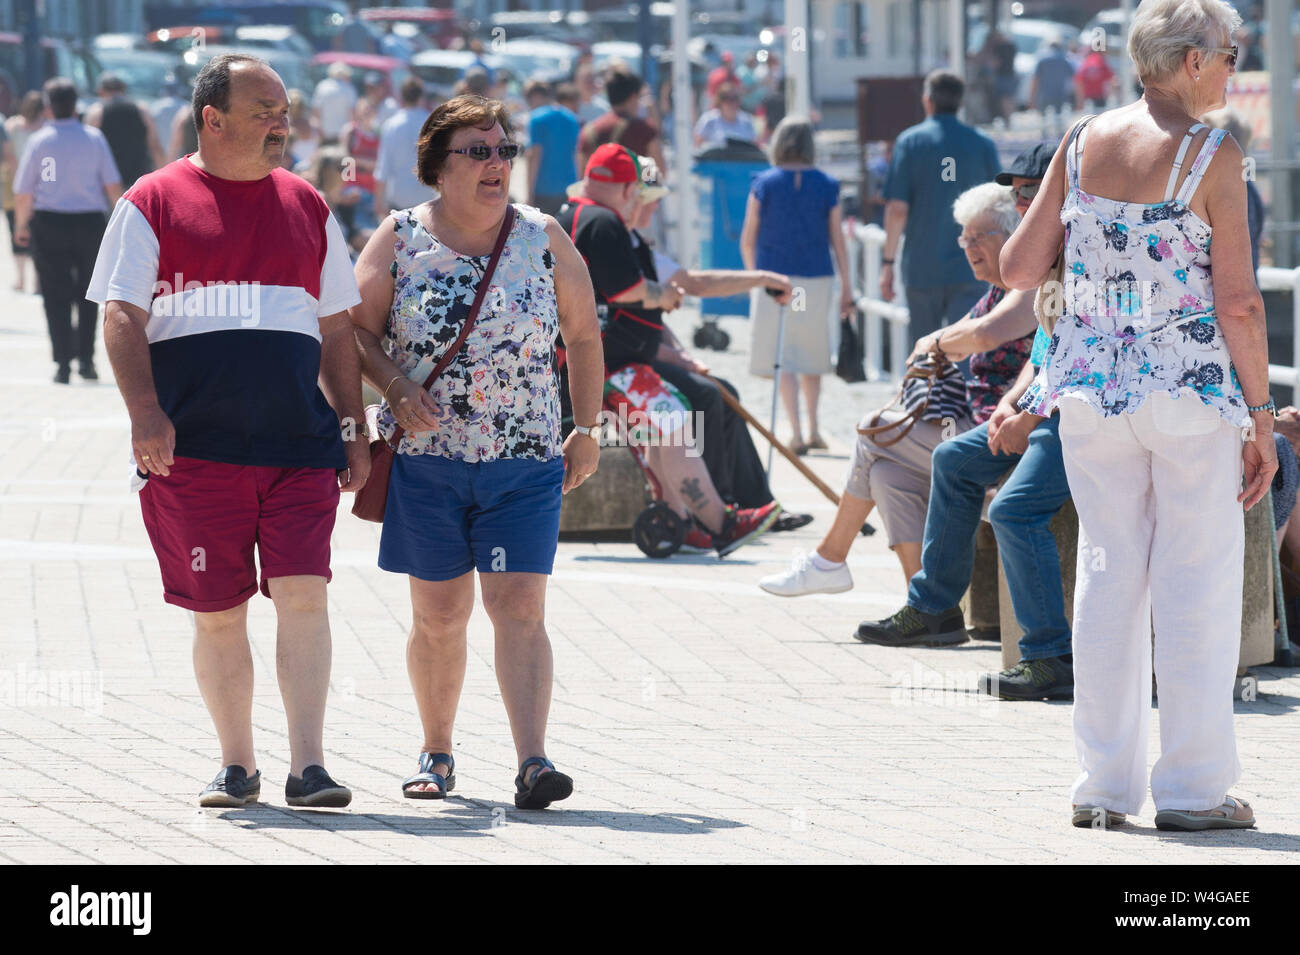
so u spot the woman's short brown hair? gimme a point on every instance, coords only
(457, 113)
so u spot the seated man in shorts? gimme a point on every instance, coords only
(632, 307)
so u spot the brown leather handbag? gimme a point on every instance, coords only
(916, 394)
(372, 500)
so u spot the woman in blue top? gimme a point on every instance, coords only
(792, 224)
(1159, 367)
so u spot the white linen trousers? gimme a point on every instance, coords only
(1161, 542)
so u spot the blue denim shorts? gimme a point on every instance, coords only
(445, 518)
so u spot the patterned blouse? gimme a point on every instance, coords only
(994, 371)
(499, 396)
(1139, 304)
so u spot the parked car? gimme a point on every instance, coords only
(441, 69)
(393, 70)
(537, 24)
(326, 24)
(530, 58)
(118, 41)
(630, 53)
(1032, 37)
(60, 59)
(293, 69)
(439, 26)
(274, 37)
(145, 71)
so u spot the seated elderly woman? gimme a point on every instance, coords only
(996, 334)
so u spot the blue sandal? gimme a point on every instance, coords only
(426, 774)
(545, 788)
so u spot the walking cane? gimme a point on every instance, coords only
(776, 380)
(774, 444)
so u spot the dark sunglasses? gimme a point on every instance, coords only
(1027, 191)
(479, 151)
(1231, 53)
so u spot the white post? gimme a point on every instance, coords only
(1125, 64)
(798, 69)
(874, 345)
(956, 38)
(683, 122)
(1295, 332)
(1281, 63)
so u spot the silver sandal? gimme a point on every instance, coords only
(1192, 821)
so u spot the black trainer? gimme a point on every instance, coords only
(789, 521)
(232, 787)
(1051, 678)
(912, 628)
(315, 788)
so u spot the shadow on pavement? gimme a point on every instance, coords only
(465, 817)
(694, 559)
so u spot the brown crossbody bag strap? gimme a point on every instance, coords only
(932, 373)
(371, 502)
(470, 319)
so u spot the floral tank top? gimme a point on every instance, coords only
(499, 397)
(1139, 302)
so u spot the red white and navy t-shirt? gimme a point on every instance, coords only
(235, 276)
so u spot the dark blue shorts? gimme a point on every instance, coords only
(445, 518)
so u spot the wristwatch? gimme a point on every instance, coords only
(592, 432)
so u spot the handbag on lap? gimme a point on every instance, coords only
(933, 389)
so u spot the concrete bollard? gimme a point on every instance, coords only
(1256, 599)
(609, 500)
(980, 602)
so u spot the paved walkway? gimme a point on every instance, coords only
(702, 719)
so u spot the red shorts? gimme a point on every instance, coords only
(204, 518)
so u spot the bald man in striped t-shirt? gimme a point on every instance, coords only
(227, 282)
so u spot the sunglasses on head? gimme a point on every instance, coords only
(480, 151)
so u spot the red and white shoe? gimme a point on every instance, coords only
(742, 526)
(698, 541)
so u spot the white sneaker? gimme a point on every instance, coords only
(804, 577)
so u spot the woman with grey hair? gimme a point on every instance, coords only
(1159, 368)
(792, 226)
(891, 470)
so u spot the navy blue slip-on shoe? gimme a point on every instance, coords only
(232, 787)
(316, 789)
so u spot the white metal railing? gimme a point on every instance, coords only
(865, 244)
(1285, 280)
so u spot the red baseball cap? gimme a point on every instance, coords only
(613, 163)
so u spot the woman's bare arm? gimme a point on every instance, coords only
(749, 232)
(584, 354)
(1239, 309)
(410, 403)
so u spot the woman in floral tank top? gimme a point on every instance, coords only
(1159, 368)
(479, 468)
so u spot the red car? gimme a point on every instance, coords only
(393, 70)
(440, 26)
